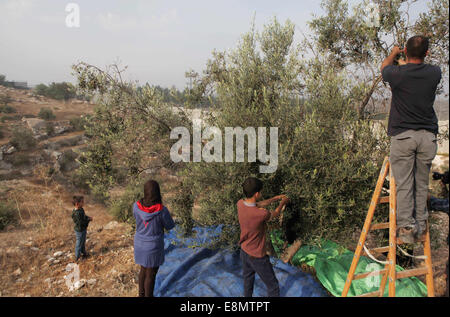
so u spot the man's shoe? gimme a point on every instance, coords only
(406, 235)
(421, 230)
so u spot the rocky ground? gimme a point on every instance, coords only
(37, 258)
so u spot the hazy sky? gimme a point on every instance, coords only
(158, 40)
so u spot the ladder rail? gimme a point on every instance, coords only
(392, 233)
(366, 227)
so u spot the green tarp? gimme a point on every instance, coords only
(332, 263)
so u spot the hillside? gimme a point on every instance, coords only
(35, 251)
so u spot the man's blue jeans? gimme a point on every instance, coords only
(80, 246)
(263, 267)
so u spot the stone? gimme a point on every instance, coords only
(34, 249)
(36, 125)
(77, 285)
(51, 259)
(17, 272)
(58, 254)
(91, 282)
(62, 127)
(56, 155)
(10, 150)
(112, 225)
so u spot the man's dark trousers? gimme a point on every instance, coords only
(263, 267)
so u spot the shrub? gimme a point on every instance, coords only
(21, 159)
(67, 160)
(4, 100)
(121, 207)
(99, 191)
(7, 109)
(8, 214)
(79, 180)
(22, 138)
(49, 128)
(78, 123)
(16, 117)
(58, 91)
(46, 114)
(182, 205)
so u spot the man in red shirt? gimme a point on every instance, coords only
(252, 220)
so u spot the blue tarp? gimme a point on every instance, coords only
(197, 272)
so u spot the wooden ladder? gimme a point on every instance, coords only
(389, 272)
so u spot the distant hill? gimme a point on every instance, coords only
(382, 107)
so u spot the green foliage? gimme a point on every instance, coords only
(182, 204)
(99, 191)
(343, 35)
(21, 159)
(15, 117)
(46, 114)
(67, 160)
(22, 138)
(58, 91)
(435, 24)
(5, 99)
(122, 207)
(129, 130)
(49, 128)
(2, 79)
(79, 180)
(7, 109)
(330, 152)
(329, 158)
(78, 123)
(8, 214)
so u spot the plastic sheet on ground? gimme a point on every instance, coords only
(198, 272)
(332, 263)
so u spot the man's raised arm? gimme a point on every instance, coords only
(390, 59)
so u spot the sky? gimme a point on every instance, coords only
(157, 40)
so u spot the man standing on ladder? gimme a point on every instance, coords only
(413, 127)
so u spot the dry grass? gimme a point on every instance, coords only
(45, 227)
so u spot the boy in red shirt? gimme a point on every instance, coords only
(252, 220)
